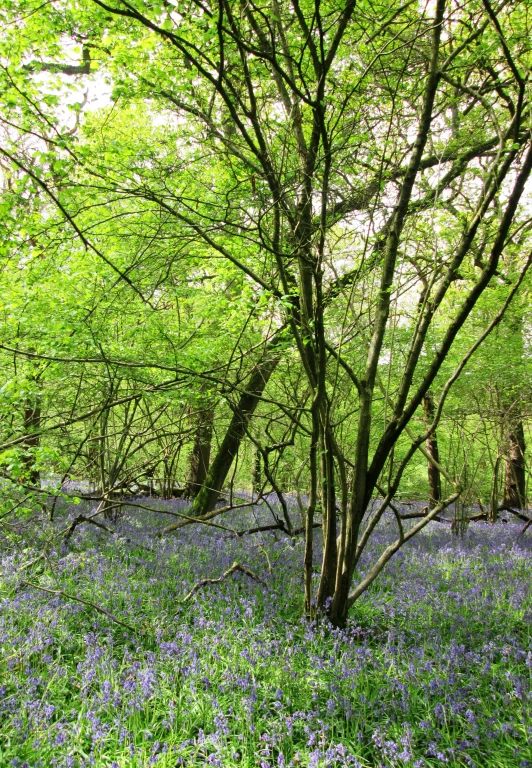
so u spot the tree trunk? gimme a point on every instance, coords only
(208, 494)
(198, 461)
(309, 520)
(432, 449)
(256, 473)
(32, 423)
(328, 502)
(494, 499)
(514, 476)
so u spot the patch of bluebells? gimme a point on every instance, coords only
(434, 667)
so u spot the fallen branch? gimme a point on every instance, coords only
(83, 519)
(90, 519)
(185, 519)
(60, 593)
(412, 515)
(262, 528)
(235, 567)
(505, 508)
(423, 513)
(204, 519)
(276, 527)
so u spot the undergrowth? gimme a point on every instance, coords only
(434, 667)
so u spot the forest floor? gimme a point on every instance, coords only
(434, 668)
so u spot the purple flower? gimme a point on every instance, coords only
(439, 712)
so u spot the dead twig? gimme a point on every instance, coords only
(60, 593)
(265, 553)
(235, 567)
(83, 519)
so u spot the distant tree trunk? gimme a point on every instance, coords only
(199, 458)
(514, 476)
(494, 499)
(32, 423)
(432, 449)
(208, 495)
(256, 473)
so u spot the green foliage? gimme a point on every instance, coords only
(187, 191)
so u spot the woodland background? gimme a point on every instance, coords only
(265, 318)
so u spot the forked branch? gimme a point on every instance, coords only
(235, 567)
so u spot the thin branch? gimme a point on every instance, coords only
(276, 527)
(64, 69)
(83, 519)
(235, 567)
(60, 593)
(204, 519)
(392, 549)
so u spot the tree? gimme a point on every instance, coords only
(513, 427)
(433, 451)
(362, 167)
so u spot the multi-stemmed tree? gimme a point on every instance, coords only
(362, 168)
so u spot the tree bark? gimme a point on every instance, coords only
(514, 476)
(494, 499)
(256, 473)
(208, 495)
(432, 449)
(328, 503)
(198, 461)
(32, 423)
(363, 481)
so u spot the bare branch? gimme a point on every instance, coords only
(235, 567)
(60, 593)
